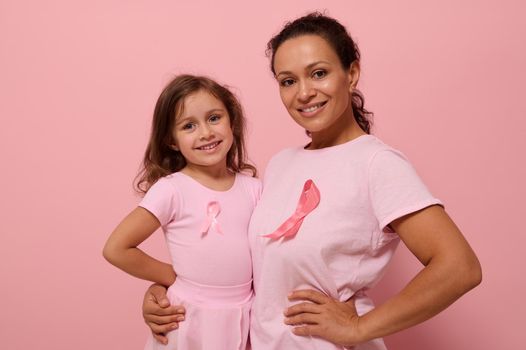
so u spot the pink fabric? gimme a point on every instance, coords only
(309, 199)
(216, 317)
(214, 271)
(342, 246)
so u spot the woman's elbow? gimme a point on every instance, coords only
(469, 273)
(475, 274)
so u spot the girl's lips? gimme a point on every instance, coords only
(209, 146)
(312, 110)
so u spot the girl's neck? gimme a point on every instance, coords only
(216, 178)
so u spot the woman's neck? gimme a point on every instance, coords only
(343, 130)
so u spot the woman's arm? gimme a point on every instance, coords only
(450, 270)
(121, 248)
(159, 315)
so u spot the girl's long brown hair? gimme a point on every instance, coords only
(160, 159)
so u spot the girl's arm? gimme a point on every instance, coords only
(450, 270)
(121, 248)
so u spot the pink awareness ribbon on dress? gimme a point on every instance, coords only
(309, 200)
(212, 211)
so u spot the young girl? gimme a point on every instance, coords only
(196, 192)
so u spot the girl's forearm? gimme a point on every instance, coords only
(436, 287)
(139, 264)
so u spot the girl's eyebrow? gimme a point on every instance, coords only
(185, 119)
(308, 67)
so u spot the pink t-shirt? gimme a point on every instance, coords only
(180, 204)
(342, 246)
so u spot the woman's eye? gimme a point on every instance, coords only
(319, 74)
(214, 118)
(286, 82)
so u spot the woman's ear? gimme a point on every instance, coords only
(354, 75)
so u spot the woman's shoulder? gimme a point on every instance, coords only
(370, 146)
(285, 154)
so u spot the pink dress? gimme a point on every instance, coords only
(206, 234)
(343, 243)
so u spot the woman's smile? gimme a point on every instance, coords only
(312, 109)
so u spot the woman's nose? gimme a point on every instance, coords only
(306, 91)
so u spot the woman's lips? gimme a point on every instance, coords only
(312, 109)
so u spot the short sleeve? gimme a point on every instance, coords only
(258, 188)
(161, 201)
(254, 187)
(395, 189)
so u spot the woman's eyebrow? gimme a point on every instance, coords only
(308, 67)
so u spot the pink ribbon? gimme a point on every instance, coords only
(309, 200)
(212, 211)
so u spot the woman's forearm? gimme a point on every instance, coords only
(433, 289)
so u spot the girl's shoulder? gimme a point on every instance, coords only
(249, 180)
(253, 185)
(166, 183)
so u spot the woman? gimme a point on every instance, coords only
(332, 213)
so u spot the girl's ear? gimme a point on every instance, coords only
(173, 144)
(354, 75)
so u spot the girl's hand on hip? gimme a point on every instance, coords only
(158, 314)
(322, 316)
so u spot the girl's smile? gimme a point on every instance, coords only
(202, 131)
(209, 147)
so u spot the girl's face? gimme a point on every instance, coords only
(202, 133)
(314, 87)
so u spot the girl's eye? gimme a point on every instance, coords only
(286, 82)
(188, 126)
(214, 118)
(319, 74)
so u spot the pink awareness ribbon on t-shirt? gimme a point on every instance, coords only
(309, 200)
(212, 211)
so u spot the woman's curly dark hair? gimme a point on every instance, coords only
(336, 35)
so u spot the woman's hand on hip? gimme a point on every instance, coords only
(158, 314)
(319, 315)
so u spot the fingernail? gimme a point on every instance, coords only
(175, 326)
(180, 318)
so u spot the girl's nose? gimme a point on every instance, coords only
(206, 133)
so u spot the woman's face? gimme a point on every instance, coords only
(314, 87)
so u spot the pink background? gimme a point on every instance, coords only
(78, 83)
